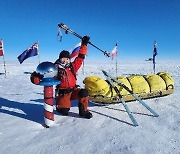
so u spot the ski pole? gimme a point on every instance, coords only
(131, 92)
(67, 29)
(121, 99)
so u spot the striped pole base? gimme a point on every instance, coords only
(48, 106)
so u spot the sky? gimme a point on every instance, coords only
(133, 24)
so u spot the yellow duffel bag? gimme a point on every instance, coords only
(139, 84)
(168, 79)
(97, 86)
(155, 82)
(125, 81)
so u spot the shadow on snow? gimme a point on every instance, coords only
(32, 112)
(35, 112)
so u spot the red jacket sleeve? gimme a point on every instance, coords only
(83, 50)
(80, 58)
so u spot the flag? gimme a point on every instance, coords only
(32, 51)
(75, 51)
(155, 49)
(154, 55)
(1, 48)
(114, 51)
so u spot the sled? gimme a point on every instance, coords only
(144, 86)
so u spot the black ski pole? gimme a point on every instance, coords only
(122, 100)
(131, 92)
(67, 29)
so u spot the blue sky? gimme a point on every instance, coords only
(135, 24)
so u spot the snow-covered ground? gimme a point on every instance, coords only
(109, 131)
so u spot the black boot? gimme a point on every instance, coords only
(88, 115)
(63, 111)
(82, 113)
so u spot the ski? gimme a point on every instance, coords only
(131, 92)
(122, 100)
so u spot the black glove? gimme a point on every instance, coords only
(36, 77)
(85, 40)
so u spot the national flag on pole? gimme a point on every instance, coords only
(32, 51)
(75, 51)
(114, 51)
(154, 55)
(1, 48)
(155, 49)
(2, 54)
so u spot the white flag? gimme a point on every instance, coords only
(1, 48)
(114, 51)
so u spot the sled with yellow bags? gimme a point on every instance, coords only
(145, 86)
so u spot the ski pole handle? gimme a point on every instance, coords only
(63, 26)
(67, 29)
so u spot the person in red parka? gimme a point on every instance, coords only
(67, 90)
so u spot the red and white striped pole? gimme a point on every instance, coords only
(48, 106)
(48, 71)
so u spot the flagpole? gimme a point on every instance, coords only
(38, 52)
(116, 66)
(39, 57)
(154, 55)
(154, 63)
(113, 54)
(116, 57)
(4, 66)
(83, 68)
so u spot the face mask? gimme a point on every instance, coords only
(65, 65)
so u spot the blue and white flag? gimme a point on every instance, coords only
(154, 55)
(155, 49)
(75, 51)
(32, 51)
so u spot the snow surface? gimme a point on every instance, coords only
(109, 131)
